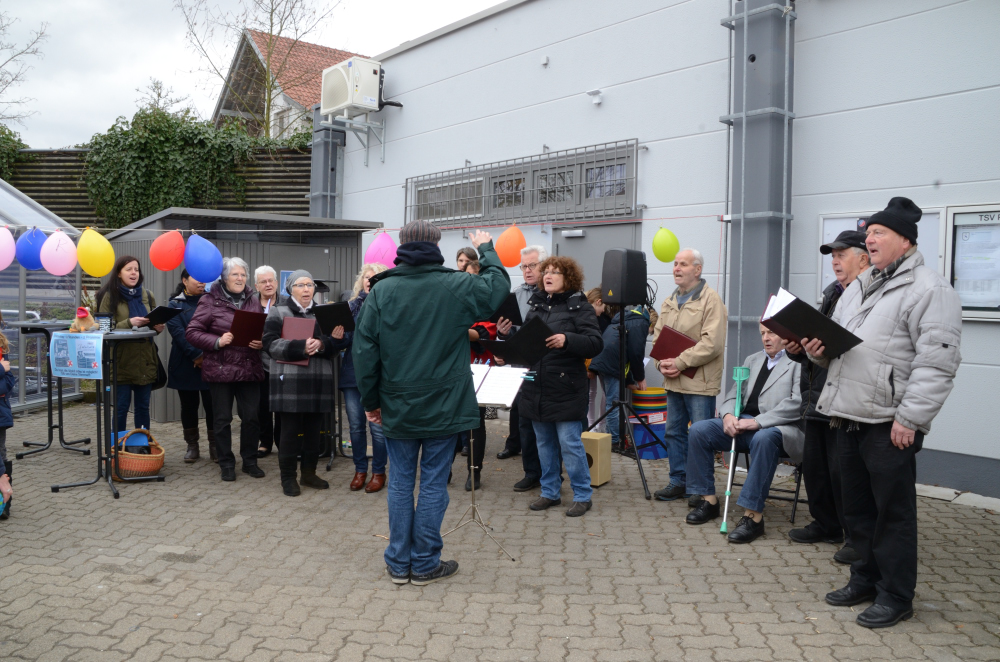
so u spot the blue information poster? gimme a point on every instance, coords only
(76, 355)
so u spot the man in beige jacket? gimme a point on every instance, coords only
(696, 310)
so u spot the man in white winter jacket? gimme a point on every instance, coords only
(882, 396)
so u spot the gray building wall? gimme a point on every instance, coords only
(896, 97)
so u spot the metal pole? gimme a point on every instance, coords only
(784, 156)
(729, 156)
(743, 179)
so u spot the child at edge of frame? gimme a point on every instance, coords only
(6, 421)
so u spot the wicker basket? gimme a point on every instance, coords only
(136, 465)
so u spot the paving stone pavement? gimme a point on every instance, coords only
(198, 569)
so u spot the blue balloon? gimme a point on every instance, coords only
(29, 248)
(202, 259)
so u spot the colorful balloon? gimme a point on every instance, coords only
(58, 254)
(508, 246)
(95, 253)
(167, 251)
(202, 259)
(665, 245)
(28, 248)
(381, 251)
(7, 248)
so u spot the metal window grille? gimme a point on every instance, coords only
(586, 183)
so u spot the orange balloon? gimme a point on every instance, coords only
(508, 246)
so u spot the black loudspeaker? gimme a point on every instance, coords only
(623, 280)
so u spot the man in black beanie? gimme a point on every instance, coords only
(881, 396)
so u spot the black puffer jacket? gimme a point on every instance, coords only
(560, 388)
(812, 376)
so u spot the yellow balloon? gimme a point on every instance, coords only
(95, 254)
(665, 245)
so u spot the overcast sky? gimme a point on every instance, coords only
(99, 51)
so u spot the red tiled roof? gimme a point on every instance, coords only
(301, 76)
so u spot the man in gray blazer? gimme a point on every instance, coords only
(769, 426)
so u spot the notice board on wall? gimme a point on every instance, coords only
(974, 259)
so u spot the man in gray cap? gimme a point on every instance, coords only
(881, 396)
(411, 362)
(820, 461)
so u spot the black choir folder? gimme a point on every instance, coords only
(794, 319)
(526, 347)
(332, 315)
(508, 310)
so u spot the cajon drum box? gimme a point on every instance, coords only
(597, 445)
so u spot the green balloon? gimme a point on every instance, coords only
(665, 245)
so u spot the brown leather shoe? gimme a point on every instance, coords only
(375, 484)
(359, 480)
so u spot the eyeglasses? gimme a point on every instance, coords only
(529, 267)
(308, 286)
(550, 272)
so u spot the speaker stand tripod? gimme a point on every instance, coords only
(475, 517)
(625, 408)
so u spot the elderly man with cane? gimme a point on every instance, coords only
(411, 362)
(881, 397)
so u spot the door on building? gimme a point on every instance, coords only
(286, 258)
(587, 244)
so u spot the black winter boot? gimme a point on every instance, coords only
(191, 437)
(309, 476)
(213, 455)
(287, 466)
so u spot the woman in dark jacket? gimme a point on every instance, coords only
(129, 302)
(301, 394)
(184, 368)
(232, 373)
(556, 400)
(352, 398)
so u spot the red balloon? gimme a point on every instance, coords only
(167, 251)
(508, 246)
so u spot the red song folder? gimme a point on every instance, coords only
(298, 328)
(670, 344)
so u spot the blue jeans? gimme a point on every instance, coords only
(141, 415)
(558, 444)
(610, 385)
(764, 447)
(415, 534)
(359, 440)
(681, 409)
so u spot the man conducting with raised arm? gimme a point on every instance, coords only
(882, 396)
(411, 363)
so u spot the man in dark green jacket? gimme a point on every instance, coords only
(411, 361)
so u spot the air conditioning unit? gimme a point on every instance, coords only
(354, 86)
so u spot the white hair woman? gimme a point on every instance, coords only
(352, 397)
(232, 373)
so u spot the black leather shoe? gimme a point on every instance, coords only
(228, 474)
(541, 503)
(468, 483)
(443, 571)
(465, 451)
(813, 534)
(670, 492)
(253, 470)
(526, 484)
(578, 508)
(506, 454)
(746, 531)
(846, 555)
(849, 596)
(882, 616)
(694, 500)
(703, 512)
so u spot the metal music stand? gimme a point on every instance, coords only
(476, 517)
(107, 460)
(46, 329)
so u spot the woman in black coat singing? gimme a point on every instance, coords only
(556, 400)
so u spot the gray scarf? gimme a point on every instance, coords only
(880, 278)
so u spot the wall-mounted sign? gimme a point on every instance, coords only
(974, 264)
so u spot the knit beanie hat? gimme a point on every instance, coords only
(901, 216)
(294, 276)
(419, 231)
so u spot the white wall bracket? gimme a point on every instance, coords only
(363, 131)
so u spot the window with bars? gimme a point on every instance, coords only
(595, 182)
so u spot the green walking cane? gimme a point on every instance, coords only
(740, 375)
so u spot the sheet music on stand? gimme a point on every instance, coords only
(497, 386)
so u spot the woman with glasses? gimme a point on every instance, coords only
(301, 394)
(352, 398)
(232, 373)
(556, 400)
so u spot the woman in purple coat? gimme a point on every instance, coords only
(232, 373)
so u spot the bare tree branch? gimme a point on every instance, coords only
(14, 68)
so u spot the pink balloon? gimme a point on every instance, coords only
(7, 248)
(382, 250)
(58, 254)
